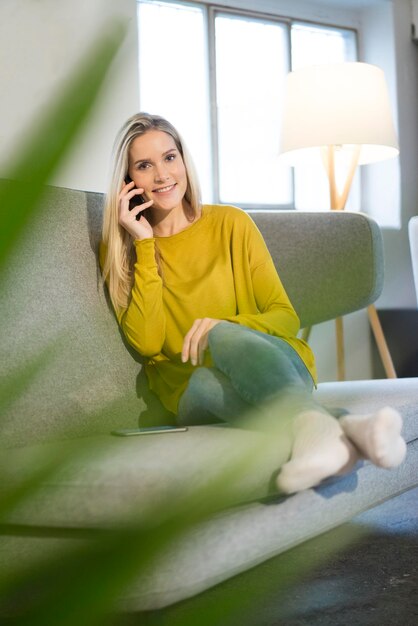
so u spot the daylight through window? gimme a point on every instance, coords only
(218, 76)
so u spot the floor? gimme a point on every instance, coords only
(372, 582)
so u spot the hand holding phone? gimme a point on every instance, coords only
(132, 204)
(137, 200)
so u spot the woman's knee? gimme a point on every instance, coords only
(221, 331)
(235, 347)
(227, 340)
(257, 366)
(200, 383)
(203, 399)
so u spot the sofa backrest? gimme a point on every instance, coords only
(52, 299)
(58, 329)
(330, 262)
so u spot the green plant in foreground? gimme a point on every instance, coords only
(82, 585)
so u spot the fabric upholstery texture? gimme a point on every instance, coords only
(248, 535)
(53, 299)
(243, 536)
(87, 381)
(124, 474)
(338, 256)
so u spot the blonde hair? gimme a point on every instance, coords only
(118, 266)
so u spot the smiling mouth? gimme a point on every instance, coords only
(164, 189)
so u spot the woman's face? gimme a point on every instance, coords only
(156, 165)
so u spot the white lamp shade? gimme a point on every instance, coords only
(342, 104)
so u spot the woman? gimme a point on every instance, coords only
(196, 293)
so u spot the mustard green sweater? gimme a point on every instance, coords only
(218, 267)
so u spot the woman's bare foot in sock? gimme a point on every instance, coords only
(320, 450)
(377, 436)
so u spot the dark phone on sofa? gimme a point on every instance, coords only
(136, 200)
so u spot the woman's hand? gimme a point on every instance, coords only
(138, 229)
(196, 340)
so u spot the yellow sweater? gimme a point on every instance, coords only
(218, 267)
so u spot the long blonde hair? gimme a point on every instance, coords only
(118, 266)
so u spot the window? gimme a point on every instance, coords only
(248, 110)
(218, 76)
(173, 77)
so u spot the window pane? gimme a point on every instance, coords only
(251, 64)
(173, 76)
(314, 45)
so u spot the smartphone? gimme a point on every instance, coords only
(136, 200)
(152, 430)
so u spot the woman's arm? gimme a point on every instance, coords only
(261, 297)
(276, 314)
(143, 321)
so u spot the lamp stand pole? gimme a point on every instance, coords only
(382, 346)
(338, 202)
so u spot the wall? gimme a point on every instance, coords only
(399, 290)
(381, 195)
(39, 41)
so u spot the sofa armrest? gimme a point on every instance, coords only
(331, 263)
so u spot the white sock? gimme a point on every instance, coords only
(320, 449)
(377, 436)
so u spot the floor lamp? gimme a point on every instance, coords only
(341, 114)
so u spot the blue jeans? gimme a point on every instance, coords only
(251, 369)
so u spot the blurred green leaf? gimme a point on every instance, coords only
(239, 601)
(82, 586)
(49, 138)
(88, 573)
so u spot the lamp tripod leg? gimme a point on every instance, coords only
(306, 333)
(339, 331)
(381, 342)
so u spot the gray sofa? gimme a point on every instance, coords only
(86, 382)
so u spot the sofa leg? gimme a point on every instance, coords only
(339, 332)
(381, 342)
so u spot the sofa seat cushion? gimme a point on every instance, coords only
(239, 538)
(108, 477)
(102, 479)
(245, 536)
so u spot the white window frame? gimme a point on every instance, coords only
(209, 12)
(212, 12)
